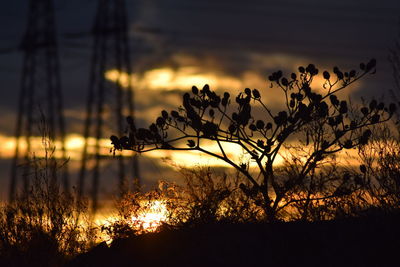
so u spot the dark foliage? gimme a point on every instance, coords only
(43, 226)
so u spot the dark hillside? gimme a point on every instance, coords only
(369, 241)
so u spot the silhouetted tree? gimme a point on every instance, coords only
(205, 115)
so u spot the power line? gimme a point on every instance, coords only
(110, 51)
(40, 88)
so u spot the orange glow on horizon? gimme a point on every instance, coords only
(74, 145)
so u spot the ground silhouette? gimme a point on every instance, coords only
(364, 241)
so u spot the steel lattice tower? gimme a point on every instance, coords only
(108, 103)
(40, 92)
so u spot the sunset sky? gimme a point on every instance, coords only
(178, 43)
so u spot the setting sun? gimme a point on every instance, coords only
(154, 214)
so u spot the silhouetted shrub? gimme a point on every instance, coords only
(205, 197)
(44, 225)
(380, 168)
(210, 197)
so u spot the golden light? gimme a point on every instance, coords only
(120, 77)
(74, 145)
(173, 79)
(152, 214)
(152, 217)
(184, 77)
(196, 158)
(159, 77)
(8, 146)
(74, 142)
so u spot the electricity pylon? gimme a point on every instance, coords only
(40, 93)
(107, 103)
